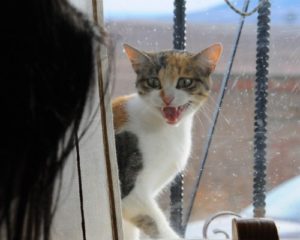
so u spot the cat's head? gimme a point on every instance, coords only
(174, 84)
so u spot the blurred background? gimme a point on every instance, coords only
(227, 180)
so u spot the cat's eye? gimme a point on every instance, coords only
(153, 83)
(184, 83)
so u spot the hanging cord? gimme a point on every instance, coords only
(80, 187)
(179, 28)
(176, 195)
(244, 13)
(260, 119)
(215, 115)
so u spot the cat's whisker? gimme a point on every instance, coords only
(225, 122)
(206, 114)
(210, 97)
(198, 117)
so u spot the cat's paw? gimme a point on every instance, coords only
(169, 234)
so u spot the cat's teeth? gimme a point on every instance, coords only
(183, 107)
(173, 114)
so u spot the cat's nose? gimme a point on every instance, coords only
(167, 99)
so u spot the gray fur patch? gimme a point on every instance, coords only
(147, 225)
(162, 60)
(129, 160)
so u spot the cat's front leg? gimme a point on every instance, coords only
(144, 213)
(131, 232)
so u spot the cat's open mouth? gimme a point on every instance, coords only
(173, 114)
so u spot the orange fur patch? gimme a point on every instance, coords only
(120, 112)
(162, 94)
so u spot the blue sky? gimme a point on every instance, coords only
(147, 7)
(283, 11)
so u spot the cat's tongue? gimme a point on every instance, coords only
(171, 114)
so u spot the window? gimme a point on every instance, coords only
(227, 180)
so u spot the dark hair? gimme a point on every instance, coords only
(47, 50)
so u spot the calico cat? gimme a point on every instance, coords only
(153, 130)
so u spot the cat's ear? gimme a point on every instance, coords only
(209, 57)
(136, 57)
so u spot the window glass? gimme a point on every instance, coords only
(226, 183)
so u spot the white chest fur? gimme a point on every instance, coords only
(165, 148)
